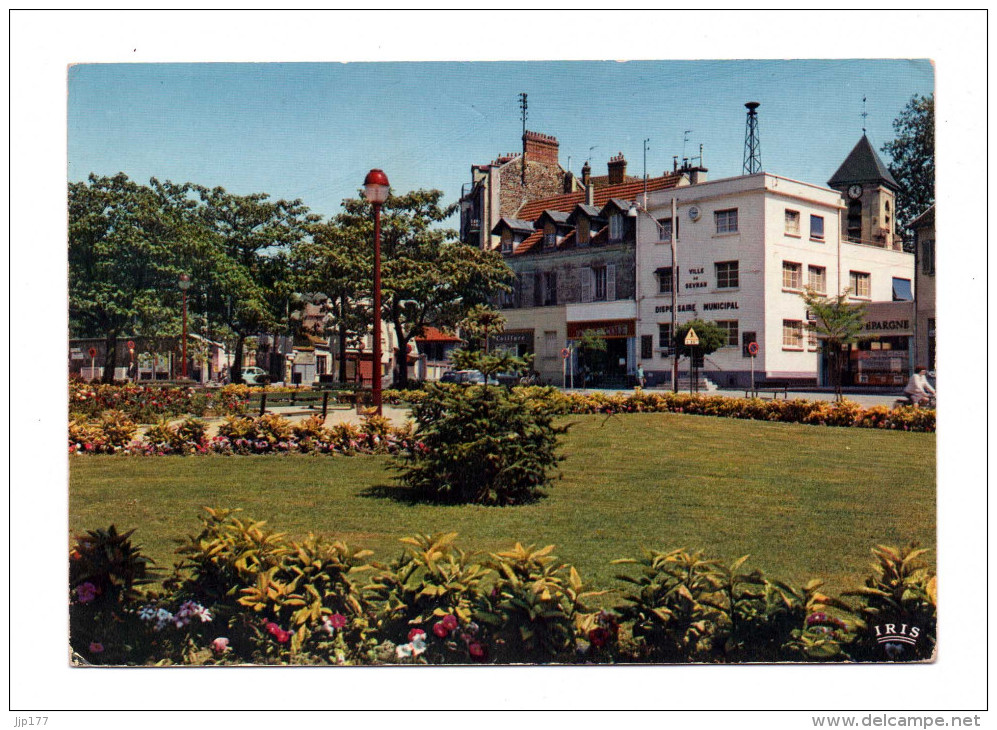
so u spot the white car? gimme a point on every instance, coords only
(255, 376)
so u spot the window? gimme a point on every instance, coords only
(550, 240)
(550, 344)
(928, 257)
(792, 275)
(817, 227)
(320, 365)
(665, 229)
(506, 242)
(792, 334)
(855, 221)
(550, 288)
(727, 274)
(902, 291)
(665, 338)
(811, 339)
(646, 347)
(860, 284)
(792, 222)
(726, 220)
(731, 326)
(615, 227)
(746, 339)
(599, 274)
(817, 278)
(664, 280)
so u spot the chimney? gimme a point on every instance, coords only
(617, 169)
(569, 182)
(697, 175)
(540, 148)
(590, 194)
(586, 173)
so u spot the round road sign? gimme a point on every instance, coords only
(93, 352)
(131, 344)
(565, 353)
(752, 348)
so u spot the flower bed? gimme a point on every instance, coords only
(268, 434)
(818, 413)
(149, 403)
(244, 594)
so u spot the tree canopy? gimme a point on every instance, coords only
(912, 152)
(837, 323)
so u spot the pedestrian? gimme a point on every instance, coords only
(918, 388)
(641, 380)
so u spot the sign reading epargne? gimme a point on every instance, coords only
(606, 329)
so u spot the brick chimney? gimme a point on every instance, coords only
(617, 169)
(540, 148)
(586, 174)
(590, 194)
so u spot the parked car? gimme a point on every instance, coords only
(467, 377)
(255, 376)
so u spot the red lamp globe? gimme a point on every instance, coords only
(375, 187)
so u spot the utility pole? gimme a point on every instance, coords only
(523, 114)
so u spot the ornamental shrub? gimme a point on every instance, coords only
(481, 444)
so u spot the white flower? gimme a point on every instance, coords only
(404, 651)
(418, 644)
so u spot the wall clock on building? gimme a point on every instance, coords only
(854, 192)
(694, 213)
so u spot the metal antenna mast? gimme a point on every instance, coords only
(864, 115)
(685, 139)
(752, 142)
(523, 114)
(646, 147)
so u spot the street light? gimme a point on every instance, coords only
(376, 191)
(673, 240)
(184, 286)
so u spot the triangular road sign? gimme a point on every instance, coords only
(691, 338)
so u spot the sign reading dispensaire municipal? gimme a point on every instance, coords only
(691, 338)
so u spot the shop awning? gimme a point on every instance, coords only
(901, 290)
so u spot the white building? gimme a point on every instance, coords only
(746, 248)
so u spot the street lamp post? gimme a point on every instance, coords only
(184, 286)
(673, 241)
(376, 191)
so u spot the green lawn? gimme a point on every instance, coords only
(804, 501)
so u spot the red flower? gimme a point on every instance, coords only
(599, 636)
(449, 622)
(440, 630)
(337, 620)
(477, 651)
(415, 633)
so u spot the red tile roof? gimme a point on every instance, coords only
(528, 243)
(566, 202)
(432, 334)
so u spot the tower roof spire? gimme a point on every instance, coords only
(862, 166)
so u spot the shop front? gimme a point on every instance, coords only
(517, 342)
(605, 351)
(884, 354)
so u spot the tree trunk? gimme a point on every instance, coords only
(343, 336)
(237, 360)
(401, 362)
(110, 357)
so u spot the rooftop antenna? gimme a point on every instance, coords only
(752, 142)
(589, 160)
(864, 115)
(524, 115)
(685, 138)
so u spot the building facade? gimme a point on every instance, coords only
(924, 318)
(598, 263)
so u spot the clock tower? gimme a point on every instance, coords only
(870, 192)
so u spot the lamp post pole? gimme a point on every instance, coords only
(184, 286)
(376, 191)
(675, 288)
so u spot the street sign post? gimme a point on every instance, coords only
(692, 341)
(752, 350)
(93, 356)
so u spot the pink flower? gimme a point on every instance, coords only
(477, 651)
(337, 620)
(449, 622)
(86, 592)
(219, 645)
(440, 630)
(96, 647)
(415, 633)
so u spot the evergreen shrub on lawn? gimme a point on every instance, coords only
(481, 444)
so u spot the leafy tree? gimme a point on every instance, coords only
(711, 337)
(837, 324)
(427, 277)
(913, 159)
(128, 244)
(339, 266)
(248, 266)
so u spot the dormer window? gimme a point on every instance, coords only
(508, 241)
(550, 241)
(615, 227)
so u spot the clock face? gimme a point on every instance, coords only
(694, 213)
(854, 192)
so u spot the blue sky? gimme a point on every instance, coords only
(311, 131)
